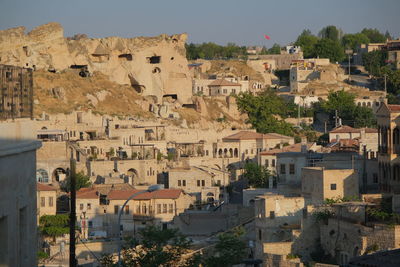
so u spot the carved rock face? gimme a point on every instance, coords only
(157, 66)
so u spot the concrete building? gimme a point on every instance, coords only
(319, 184)
(18, 145)
(18, 224)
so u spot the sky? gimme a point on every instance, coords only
(221, 21)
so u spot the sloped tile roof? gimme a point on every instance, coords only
(394, 108)
(87, 193)
(291, 148)
(223, 82)
(348, 129)
(247, 135)
(159, 194)
(45, 187)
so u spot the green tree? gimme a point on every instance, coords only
(330, 32)
(374, 61)
(327, 48)
(275, 50)
(374, 35)
(306, 40)
(157, 247)
(229, 250)
(54, 225)
(81, 181)
(350, 113)
(257, 176)
(263, 112)
(353, 41)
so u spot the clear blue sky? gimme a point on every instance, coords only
(243, 22)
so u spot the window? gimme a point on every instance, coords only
(266, 163)
(171, 208)
(251, 151)
(206, 152)
(179, 183)
(233, 91)
(273, 163)
(333, 186)
(375, 178)
(198, 182)
(90, 224)
(164, 208)
(203, 183)
(247, 151)
(183, 182)
(154, 60)
(158, 208)
(372, 155)
(42, 201)
(225, 91)
(81, 206)
(127, 209)
(283, 169)
(50, 201)
(144, 209)
(219, 182)
(116, 209)
(259, 234)
(42, 176)
(89, 206)
(291, 168)
(272, 214)
(138, 209)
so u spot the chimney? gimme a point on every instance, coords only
(303, 145)
(362, 134)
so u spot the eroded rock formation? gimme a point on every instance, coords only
(153, 66)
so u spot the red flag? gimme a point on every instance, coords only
(267, 37)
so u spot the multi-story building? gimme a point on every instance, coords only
(389, 148)
(18, 145)
(46, 200)
(319, 184)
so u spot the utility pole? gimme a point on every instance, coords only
(72, 214)
(336, 119)
(349, 52)
(385, 83)
(298, 114)
(364, 177)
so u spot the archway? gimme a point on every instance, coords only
(59, 175)
(220, 152)
(133, 176)
(230, 152)
(236, 153)
(42, 176)
(225, 152)
(210, 197)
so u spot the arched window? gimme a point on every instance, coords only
(42, 176)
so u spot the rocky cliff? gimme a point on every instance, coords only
(153, 66)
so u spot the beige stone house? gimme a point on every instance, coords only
(158, 207)
(318, 184)
(202, 182)
(46, 200)
(246, 144)
(224, 87)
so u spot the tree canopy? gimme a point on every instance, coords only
(374, 35)
(256, 175)
(214, 51)
(263, 112)
(330, 32)
(353, 41)
(54, 225)
(156, 247)
(348, 111)
(81, 181)
(307, 41)
(327, 48)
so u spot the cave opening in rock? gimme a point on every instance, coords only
(154, 60)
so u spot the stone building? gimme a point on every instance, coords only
(202, 182)
(224, 87)
(388, 118)
(46, 200)
(319, 184)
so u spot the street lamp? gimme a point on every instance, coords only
(151, 188)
